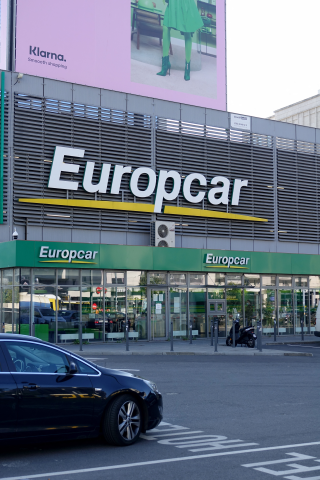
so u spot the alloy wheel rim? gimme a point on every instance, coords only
(129, 420)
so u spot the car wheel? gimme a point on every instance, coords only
(122, 421)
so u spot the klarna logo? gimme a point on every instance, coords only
(44, 54)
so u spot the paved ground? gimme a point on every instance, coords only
(198, 347)
(226, 417)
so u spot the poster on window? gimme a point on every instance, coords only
(166, 49)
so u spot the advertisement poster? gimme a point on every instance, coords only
(167, 49)
(3, 33)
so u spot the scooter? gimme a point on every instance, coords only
(246, 337)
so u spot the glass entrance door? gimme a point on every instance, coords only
(158, 313)
(217, 311)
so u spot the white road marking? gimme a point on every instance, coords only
(126, 369)
(297, 456)
(155, 437)
(165, 460)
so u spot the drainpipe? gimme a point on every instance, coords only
(2, 146)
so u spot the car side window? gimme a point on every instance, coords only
(85, 369)
(31, 357)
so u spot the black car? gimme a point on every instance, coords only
(49, 393)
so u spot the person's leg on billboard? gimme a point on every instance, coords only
(188, 47)
(165, 58)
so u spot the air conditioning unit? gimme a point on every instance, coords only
(163, 234)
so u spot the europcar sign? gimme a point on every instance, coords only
(217, 193)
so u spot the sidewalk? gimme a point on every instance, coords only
(180, 347)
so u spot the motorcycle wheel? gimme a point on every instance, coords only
(229, 341)
(251, 343)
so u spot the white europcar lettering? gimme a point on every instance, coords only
(166, 187)
(46, 252)
(227, 261)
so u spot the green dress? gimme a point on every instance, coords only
(182, 15)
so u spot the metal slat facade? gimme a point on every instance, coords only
(125, 138)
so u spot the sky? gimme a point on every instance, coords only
(273, 54)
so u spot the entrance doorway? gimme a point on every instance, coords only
(158, 313)
(217, 310)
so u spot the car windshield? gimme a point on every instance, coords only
(47, 311)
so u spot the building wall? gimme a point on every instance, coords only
(165, 135)
(306, 112)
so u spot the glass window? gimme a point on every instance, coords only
(252, 306)
(115, 307)
(314, 281)
(25, 277)
(115, 278)
(178, 278)
(197, 279)
(136, 278)
(84, 368)
(251, 280)
(216, 279)
(137, 311)
(92, 277)
(16, 274)
(285, 281)
(269, 280)
(178, 311)
(234, 280)
(234, 306)
(285, 312)
(44, 276)
(68, 276)
(7, 277)
(157, 278)
(301, 281)
(216, 293)
(197, 310)
(268, 311)
(7, 309)
(29, 357)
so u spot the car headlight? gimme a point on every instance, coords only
(152, 385)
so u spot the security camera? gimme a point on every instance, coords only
(15, 235)
(19, 76)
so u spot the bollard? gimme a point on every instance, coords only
(275, 330)
(216, 333)
(190, 328)
(302, 333)
(127, 336)
(234, 334)
(3, 328)
(259, 331)
(80, 336)
(211, 333)
(171, 336)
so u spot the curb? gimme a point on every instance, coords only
(143, 354)
(294, 343)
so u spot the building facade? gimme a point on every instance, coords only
(306, 112)
(90, 173)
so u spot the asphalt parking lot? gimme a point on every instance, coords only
(227, 417)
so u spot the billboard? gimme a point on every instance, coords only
(3, 33)
(167, 49)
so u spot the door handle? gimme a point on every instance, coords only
(31, 386)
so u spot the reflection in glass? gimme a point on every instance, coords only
(115, 278)
(301, 310)
(285, 312)
(44, 276)
(7, 277)
(7, 310)
(268, 311)
(197, 279)
(69, 298)
(178, 311)
(269, 280)
(197, 310)
(234, 280)
(178, 278)
(314, 305)
(137, 311)
(285, 281)
(252, 306)
(314, 281)
(68, 276)
(251, 280)
(157, 278)
(92, 277)
(136, 278)
(234, 307)
(216, 278)
(301, 281)
(115, 316)
(25, 277)
(158, 313)
(92, 312)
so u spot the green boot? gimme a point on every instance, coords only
(187, 71)
(166, 65)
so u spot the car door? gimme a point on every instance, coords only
(51, 401)
(8, 401)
